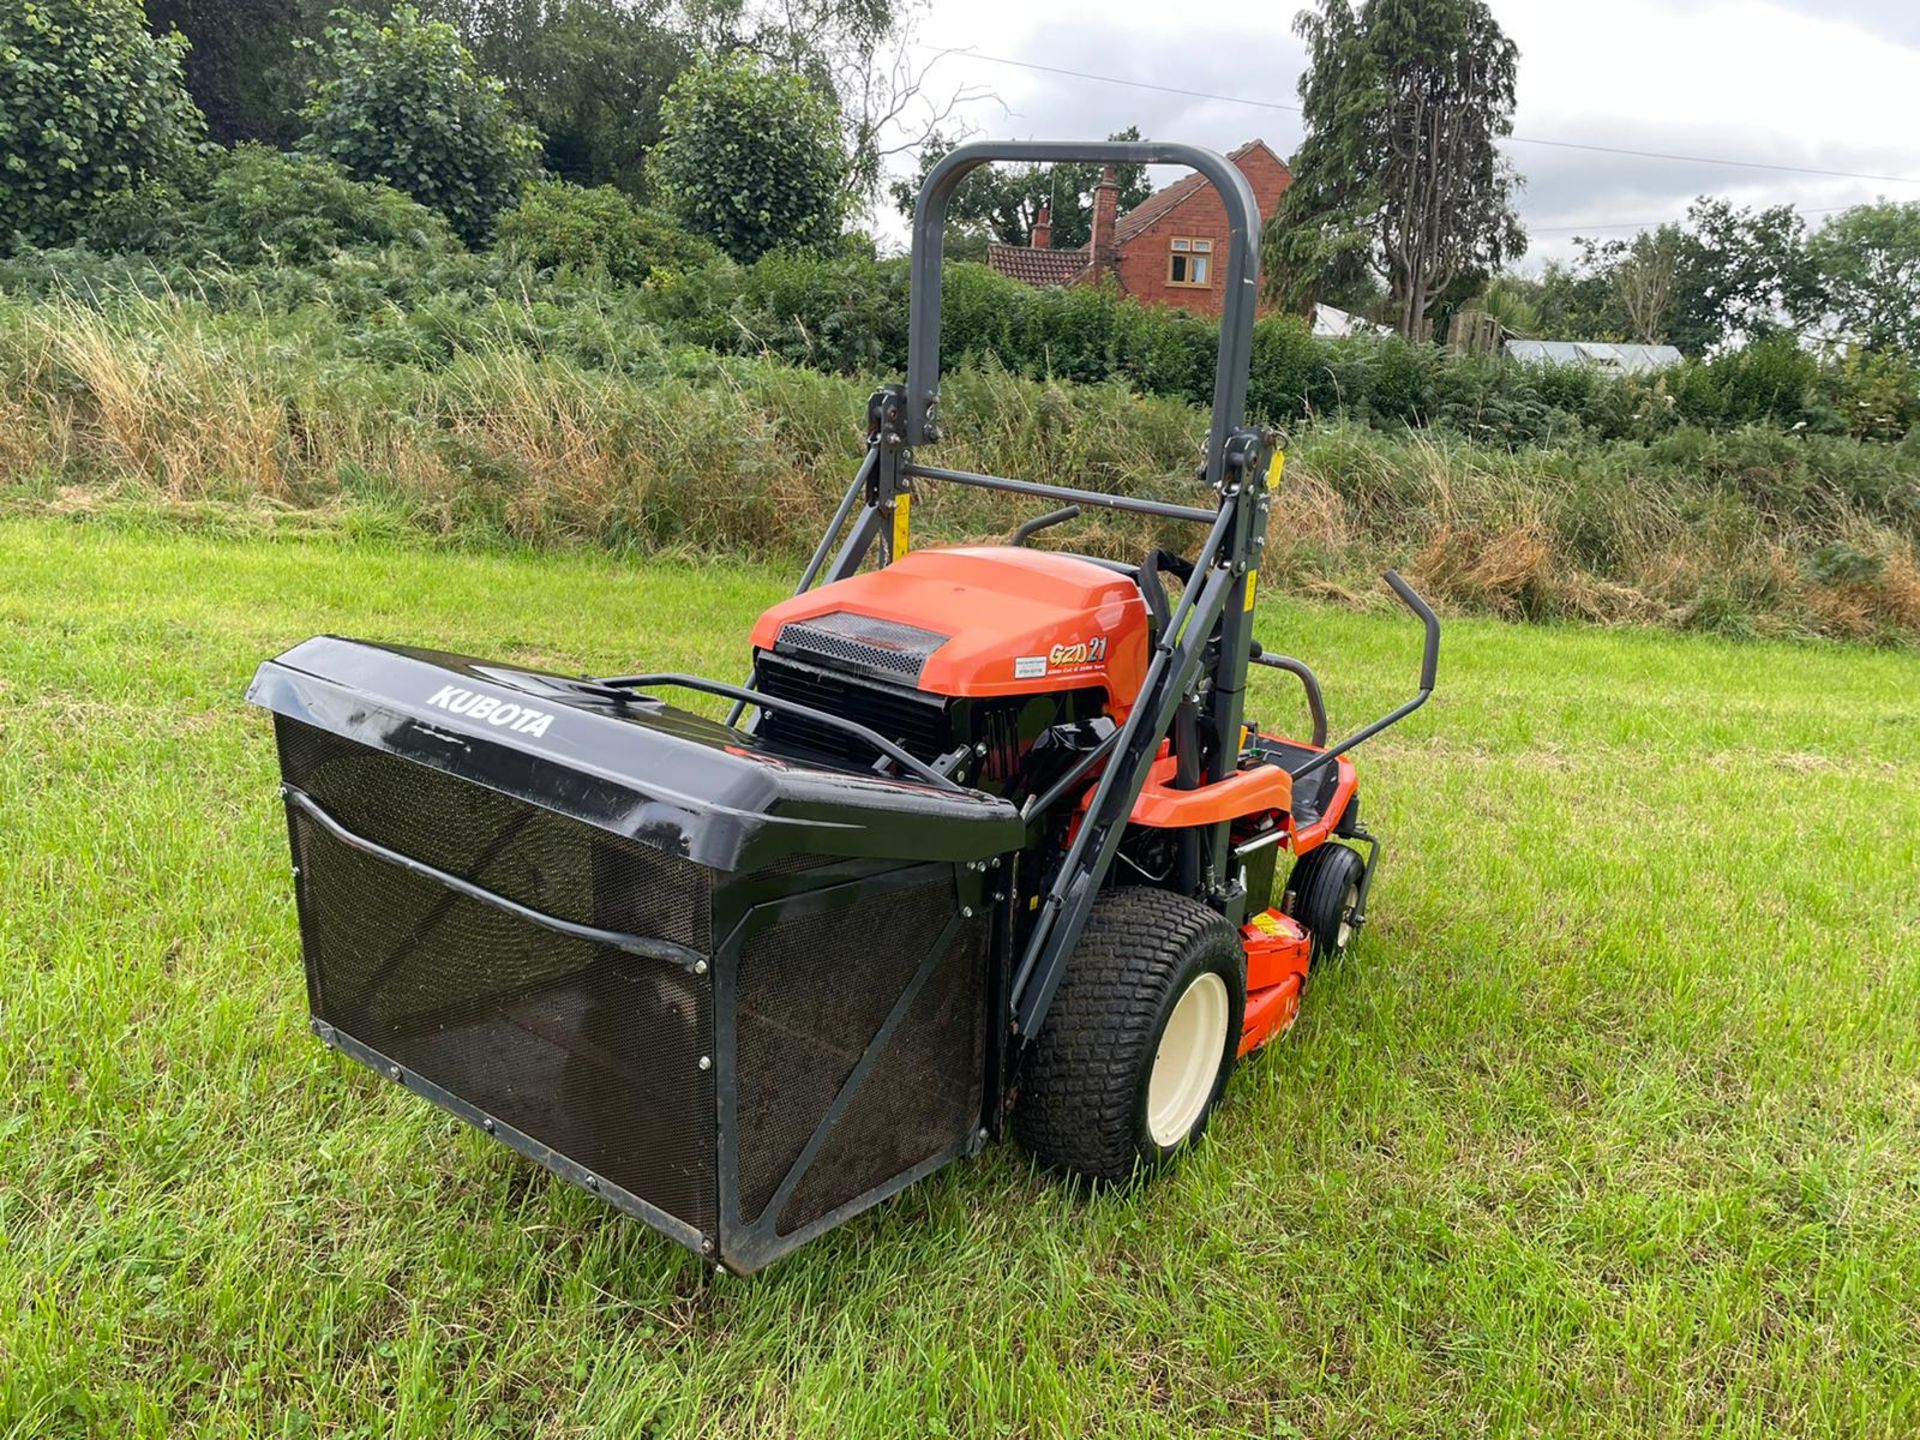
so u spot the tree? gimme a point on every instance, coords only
(751, 157)
(1741, 275)
(862, 54)
(242, 69)
(1868, 261)
(589, 74)
(1405, 103)
(91, 107)
(1644, 275)
(403, 102)
(1620, 290)
(1573, 301)
(1003, 201)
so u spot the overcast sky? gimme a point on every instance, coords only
(1825, 84)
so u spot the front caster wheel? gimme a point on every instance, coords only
(1322, 894)
(1140, 1039)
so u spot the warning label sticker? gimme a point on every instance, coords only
(1030, 667)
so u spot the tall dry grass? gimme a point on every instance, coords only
(165, 400)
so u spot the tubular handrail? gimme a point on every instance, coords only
(1024, 533)
(649, 947)
(1316, 702)
(761, 700)
(1429, 672)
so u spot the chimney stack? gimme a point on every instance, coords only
(1106, 208)
(1043, 227)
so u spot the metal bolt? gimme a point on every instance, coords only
(285, 793)
(999, 895)
(487, 1125)
(593, 1183)
(699, 967)
(706, 1062)
(296, 872)
(394, 1071)
(706, 1244)
(981, 748)
(966, 912)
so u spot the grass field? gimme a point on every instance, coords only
(1610, 1125)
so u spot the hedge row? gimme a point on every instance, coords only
(586, 274)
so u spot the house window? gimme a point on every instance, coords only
(1190, 263)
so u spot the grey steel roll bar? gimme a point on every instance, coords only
(921, 416)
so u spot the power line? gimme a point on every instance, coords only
(1135, 84)
(1516, 139)
(1650, 224)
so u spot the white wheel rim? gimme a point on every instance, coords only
(1188, 1061)
(1346, 915)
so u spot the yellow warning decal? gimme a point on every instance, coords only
(902, 506)
(1267, 923)
(1253, 579)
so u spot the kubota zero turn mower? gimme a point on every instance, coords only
(987, 841)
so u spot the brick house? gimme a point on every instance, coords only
(1170, 249)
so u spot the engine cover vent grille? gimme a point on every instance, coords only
(861, 642)
(916, 722)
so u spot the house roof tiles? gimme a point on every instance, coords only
(1037, 267)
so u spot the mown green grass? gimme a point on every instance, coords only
(1609, 1126)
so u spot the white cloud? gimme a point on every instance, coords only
(1825, 84)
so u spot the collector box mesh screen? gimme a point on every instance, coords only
(812, 992)
(589, 1050)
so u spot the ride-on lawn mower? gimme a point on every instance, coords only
(995, 847)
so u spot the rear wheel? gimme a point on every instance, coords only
(1322, 893)
(1140, 1039)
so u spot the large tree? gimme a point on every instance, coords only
(1724, 277)
(1401, 172)
(1743, 275)
(588, 74)
(1616, 289)
(1002, 201)
(1868, 260)
(751, 157)
(242, 68)
(864, 55)
(403, 102)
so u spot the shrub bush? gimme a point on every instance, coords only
(596, 232)
(404, 103)
(838, 313)
(263, 206)
(751, 157)
(91, 107)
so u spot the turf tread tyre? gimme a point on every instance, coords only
(1319, 886)
(1082, 1102)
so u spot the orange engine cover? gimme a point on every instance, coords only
(1018, 621)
